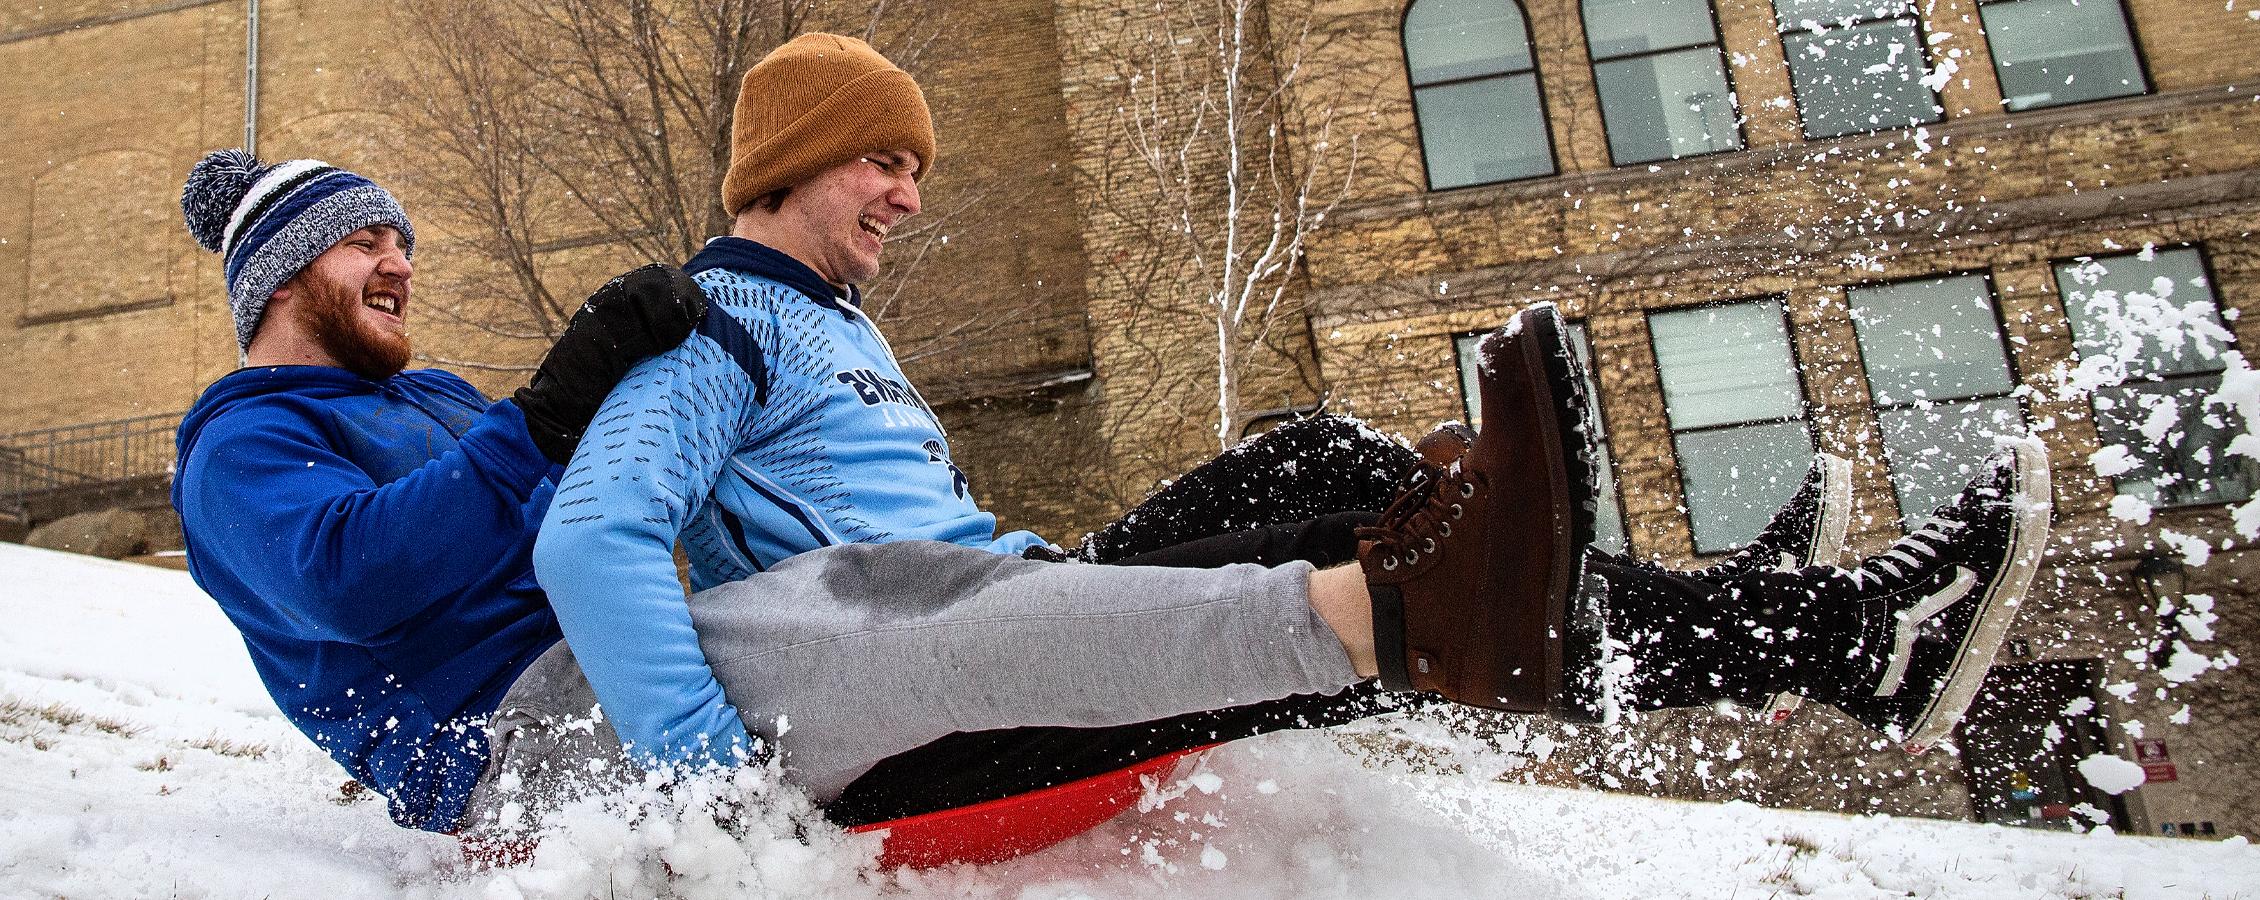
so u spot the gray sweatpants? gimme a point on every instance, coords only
(847, 655)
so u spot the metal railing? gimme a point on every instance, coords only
(52, 460)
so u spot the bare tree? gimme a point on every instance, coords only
(1214, 184)
(542, 127)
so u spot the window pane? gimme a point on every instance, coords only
(1726, 364)
(1866, 78)
(1736, 477)
(2117, 303)
(1471, 393)
(1448, 39)
(2052, 52)
(1618, 27)
(1930, 340)
(1933, 452)
(1665, 106)
(1608, 529)
(1477, 132)
(1830, 13)
(2189, 463)
(1608, 520)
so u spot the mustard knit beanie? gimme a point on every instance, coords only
(818, 101)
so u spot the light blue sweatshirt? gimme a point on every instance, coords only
(783, 425)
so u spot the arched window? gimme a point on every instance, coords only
(2054, 52)
(1662, 79)
(1857, 65)
(1475, 92)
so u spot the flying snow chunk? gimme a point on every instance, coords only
(2113, 461)
(2185, 665)
(2130, 508)
(2194, 550)
(2110, 774)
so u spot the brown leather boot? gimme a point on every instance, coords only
(1474, 569)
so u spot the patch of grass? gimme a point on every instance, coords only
(1800, 847)
(160, 764)
(1799, 844)
(33, 722)
(226, 747)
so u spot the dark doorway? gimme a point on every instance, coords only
(2023, 738)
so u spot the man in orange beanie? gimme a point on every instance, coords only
(787, 427)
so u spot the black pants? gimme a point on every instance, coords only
(1297, 493)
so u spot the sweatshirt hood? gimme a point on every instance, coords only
(319, 382)
(739, 254)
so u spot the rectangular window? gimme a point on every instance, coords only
(1481, 131)
(1856, 65)
(1662, 79)
(1667, 106)
(2176, 445)
(1940, 380)
(1608, 525)
(2054, 52)
(1737, 413)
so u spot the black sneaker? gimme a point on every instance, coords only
(1934, 607)
(1807, 531)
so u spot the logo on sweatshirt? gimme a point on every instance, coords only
(874, 389)
(900, 406)
(939, 455)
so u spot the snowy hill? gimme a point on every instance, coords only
(140, 757)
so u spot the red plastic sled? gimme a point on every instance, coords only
(983, 833)
(1018, 825)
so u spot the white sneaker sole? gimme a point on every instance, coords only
(2028, 539)
(1836, 512)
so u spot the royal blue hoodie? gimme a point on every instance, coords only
(372, 540)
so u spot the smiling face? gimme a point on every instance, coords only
(351, 303)
(837, 222)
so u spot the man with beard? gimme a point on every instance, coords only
(368, 529)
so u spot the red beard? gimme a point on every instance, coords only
(334, 319)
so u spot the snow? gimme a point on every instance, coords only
(2130, 508)
(2113, 460)
(142, 758)
(2110, 774)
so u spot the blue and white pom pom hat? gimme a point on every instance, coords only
(267, 222)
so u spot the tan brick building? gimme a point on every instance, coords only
(1792, 237)
(1756, 211)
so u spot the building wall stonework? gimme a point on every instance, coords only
(108, 309)
(1403, 270)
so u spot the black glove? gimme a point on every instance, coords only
(637, 315)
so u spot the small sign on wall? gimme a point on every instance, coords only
(2156, 765)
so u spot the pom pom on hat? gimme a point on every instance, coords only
(215, 186)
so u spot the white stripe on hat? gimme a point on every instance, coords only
(275, 178)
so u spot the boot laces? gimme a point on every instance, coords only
(1430, 499)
